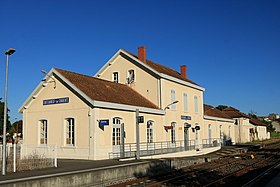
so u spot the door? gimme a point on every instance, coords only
(117, 135)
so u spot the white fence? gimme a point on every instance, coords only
(21, 157)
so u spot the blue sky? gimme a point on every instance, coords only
(232, 48)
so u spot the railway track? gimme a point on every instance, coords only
(227, 171)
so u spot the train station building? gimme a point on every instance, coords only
(131, 107)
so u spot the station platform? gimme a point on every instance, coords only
(74, 172)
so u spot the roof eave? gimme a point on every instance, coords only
(218, 119)
(103, 104)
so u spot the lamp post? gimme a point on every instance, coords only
(167, 107)
(7, 53)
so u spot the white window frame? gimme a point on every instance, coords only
(116, 140)
(173, 99)
(195, 98)
(70, 123)
(185, 99)
(150, 131)
(43, 132)
(114, 77)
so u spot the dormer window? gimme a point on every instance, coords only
(116, 77)
(131, 76)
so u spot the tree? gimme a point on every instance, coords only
(269, 126)
(8, 125)
(221, 107)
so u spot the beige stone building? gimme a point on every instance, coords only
(247, 129)
(132, 107)
(220, 126)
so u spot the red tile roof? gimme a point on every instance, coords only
(212, 111)
(256, 122)
(102, 90)
(163, 69)
(234, 113)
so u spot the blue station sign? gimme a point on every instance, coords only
(186, 117)
(56, 101)
(103, 122)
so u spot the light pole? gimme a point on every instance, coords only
(167, 107)
(7, 53)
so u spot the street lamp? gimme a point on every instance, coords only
(167, 107)
(7, 53)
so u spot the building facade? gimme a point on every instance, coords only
(131, 107)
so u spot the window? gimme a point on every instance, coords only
(195, 104)
(116, 77)
(116, 133)
(70, 131)
(150, 131)
(43, 131)
(173, 99)
(131, 76)
(185, 98)
(173, 136)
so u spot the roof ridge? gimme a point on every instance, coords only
(173, 71)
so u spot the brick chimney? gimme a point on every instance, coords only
(142, 53)
(183, 69)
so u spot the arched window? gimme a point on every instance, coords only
(70, 131)
(195, 104)
(185, 98)
(43, 125)
(173, 99)
(150, 133)
(116, 133)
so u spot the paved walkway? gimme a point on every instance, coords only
(67, 166)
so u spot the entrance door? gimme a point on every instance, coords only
(186, 136)
(117, 135)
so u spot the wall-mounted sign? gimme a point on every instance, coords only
(103, 122)
(56, 101)
(140, 119)
(186, 117)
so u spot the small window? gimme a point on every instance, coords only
(70, 131)
(173, 99)
(185, 102)
(116, 77)
(131, 76)
(43, 131)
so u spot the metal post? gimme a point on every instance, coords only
(15, 156)
(7, 53)
(5, 120)
(137, 136)
(122, 140)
